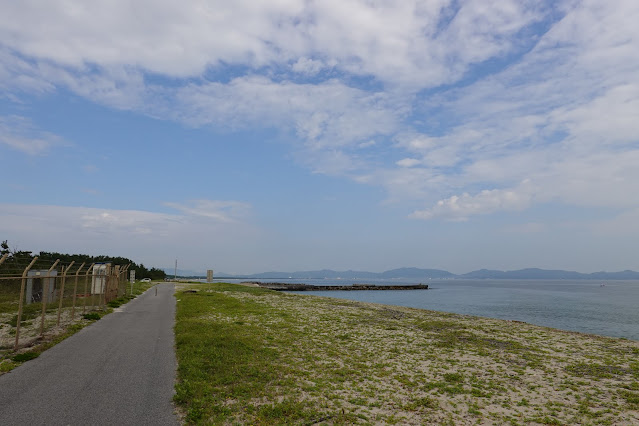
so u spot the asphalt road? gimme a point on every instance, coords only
(118, 371)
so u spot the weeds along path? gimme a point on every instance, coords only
(120, 370)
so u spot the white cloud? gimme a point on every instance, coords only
(48, 222)
(221, 211)
(130, 222)
(327, 120)
(408, 162)
(459, 208)
(308, 66)
(20, 134)
(608, 119)
(367, 144)
(19, 74)
(562, 117)
(409, 42)
(326, 114)
(332, 162)
(150, 237)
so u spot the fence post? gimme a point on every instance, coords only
(123, 279)
(116, 278)
(75, 290)
(120, 281)
(93, 284)
(45, 290)
(127, 277)
(86, 281)
(20, 303)
(116, 275)
(126, 273)
(64, 281)
(104, 286)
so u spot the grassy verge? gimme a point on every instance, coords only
(253, 356)
(10, 359)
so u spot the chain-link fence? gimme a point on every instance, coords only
(43, 298)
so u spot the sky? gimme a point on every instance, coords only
(289, 135)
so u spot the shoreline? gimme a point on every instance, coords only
(584, 307)
(356, 362)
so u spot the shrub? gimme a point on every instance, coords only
(26, 356)
(93, 316)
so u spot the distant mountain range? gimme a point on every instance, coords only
(550, 274)
(424, 274)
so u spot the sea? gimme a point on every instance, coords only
(608, 308)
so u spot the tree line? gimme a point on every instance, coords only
(18, 260)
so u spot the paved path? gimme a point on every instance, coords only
(118, 371)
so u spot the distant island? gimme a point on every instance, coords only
(425, 274)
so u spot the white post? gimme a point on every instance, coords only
(132, 279)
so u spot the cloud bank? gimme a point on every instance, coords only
(154, 238)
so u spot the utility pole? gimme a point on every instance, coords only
(175, 275)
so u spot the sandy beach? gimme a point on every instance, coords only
(340, 362)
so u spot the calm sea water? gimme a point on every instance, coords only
(585, 306)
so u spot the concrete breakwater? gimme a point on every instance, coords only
(309, 287)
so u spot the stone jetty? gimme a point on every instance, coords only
(309, 287)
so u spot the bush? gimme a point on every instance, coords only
(93, 316)
(25, 356)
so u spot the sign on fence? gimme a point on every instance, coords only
(37, 281)
(98, 280)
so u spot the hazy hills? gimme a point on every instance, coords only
(550, 274)
(424, 274)
(330, 274)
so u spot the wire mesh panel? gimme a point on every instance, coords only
(36, 302)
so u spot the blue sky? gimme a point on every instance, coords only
(290, 135)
